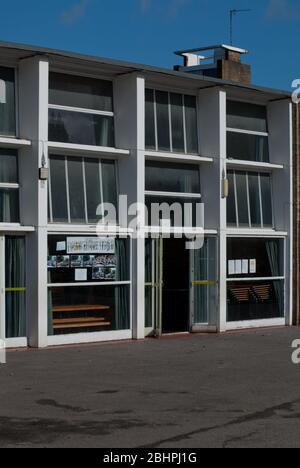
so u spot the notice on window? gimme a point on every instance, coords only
(80, 275)
(238, 267)
(252, 264)
(245, 267)
(60, 246)
(90, 245)
(231, 267)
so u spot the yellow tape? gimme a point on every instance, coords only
(204, 283)
(15, 289)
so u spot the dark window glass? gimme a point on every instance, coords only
(76, 190)
(231, 208)
(80, 128)
(191, 124)
(163, 127)
(254, 199)
(81, 92)
(175, 210)
(110, 184)
(172, 177)
(266, 197)
(58, 189)
(9, 206)
(93, 194)
(150, 120)
(242, 200)
(8, 166)
(7, 102)
(177, 122)
(247, 147)
(245, 116)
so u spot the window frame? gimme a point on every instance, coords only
(182, 93)
(13, 186)
(16, 96)
(69, 222)
(246, 173)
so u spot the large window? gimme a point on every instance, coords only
(9, 186)
(81, 110)
(89, 284)
(247, 132)
(171, 122)
(78, 186)
(7, 102)
(169, 184)
(255, 279)
(250, 200)
(15, 287)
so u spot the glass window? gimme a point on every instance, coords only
(163, 177)
(81, 92)
(179, 211)
(9, 206)
(76, 190)
(15, 287)
(87, 183)
(9, 194)
(8, 166)
(90, 308)
(175, 116)
(81, 128)
(191, 124)
(163, 124)
(58, 189)
(7, 102)
(257, 188)
(246, 116)
(247, 147)
(150, 119)
(242, 198)
(177, 122)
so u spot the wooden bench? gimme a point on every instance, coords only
(240, 294)
(79, 322)
(262, 292)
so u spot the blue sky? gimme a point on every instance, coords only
(148, 31)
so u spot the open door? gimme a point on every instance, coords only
(153, 287)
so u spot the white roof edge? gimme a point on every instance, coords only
(235, 49)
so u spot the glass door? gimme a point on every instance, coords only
(153, 286)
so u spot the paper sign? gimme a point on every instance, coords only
(231, 267)
(80, 275)
(245, 267)
(238, 267)
(252, 266)
(91, 245)
(60, 246)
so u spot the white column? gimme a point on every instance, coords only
(212, 138)
(129, 95)
(33, 124)
(281, 152)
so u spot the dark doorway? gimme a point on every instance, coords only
(176, 271)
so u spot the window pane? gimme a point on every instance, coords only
(246, 116)
(92, 176)
(110, 185)
(242, 200)
(163, 128)
(265, 182)
(247, 147)
(182, 178)
(254, 199)
(149, 122)
(177, 122)
(7, 102)
(8, 166)
(173, 210)
(58, 189)
(191, 124)
(9, 206)
(82, 92)
(80, 128)
(76, 190)
(15, 285)
(231, 208)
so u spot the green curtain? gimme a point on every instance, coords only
(122, 321)
(273, 251)
(15, 305)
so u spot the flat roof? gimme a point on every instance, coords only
(16, 51)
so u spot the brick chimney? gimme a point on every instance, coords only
(224, 63)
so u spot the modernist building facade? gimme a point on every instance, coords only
(77, 131)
